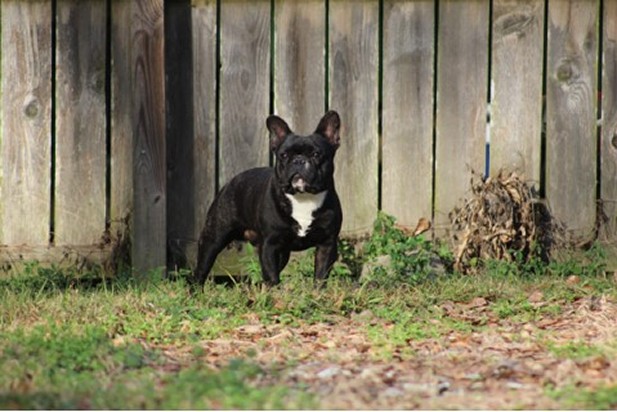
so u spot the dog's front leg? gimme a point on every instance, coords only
(325, 256)
(273, 259)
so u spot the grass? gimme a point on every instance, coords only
(601, 398)
(76, 339)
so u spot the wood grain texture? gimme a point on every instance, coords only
(25, 121)
(571, 113)
(461, 101)
(516, 101)
(244, 86)
(608, 148)
(204, 114)
(407, 136)
(80, 122)
(299, 68)
(121, 164)
(353, 80)
(148, 110)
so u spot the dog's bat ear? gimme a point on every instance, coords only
(279, 130)
(329, 127)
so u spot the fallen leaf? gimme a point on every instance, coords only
(478, 303)
(423, 225)
(572, 280)
(536, 297)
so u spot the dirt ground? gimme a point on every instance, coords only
(507, 365)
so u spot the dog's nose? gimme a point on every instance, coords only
(299, 160)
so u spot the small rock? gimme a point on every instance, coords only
(392, 392)
(514, 385)
(329, 372)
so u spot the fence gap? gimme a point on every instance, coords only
(599, 111)
(108, 116)
(542, 188)
(380, 73)
(271, 92)
(217, 97)
(434, 128)
(327, 58)
(489, 92)
(52, 183)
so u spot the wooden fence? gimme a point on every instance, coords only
(125, 116)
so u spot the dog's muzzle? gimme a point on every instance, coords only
(298, 183)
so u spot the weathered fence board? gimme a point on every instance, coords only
(516, 102)
(353, 86)
(25, 120)
(608, 147)
(244, 86)
(80, 122)
(121, 156)
(299, 69)
(204, 107)
(407, 129)
(571, 113)
(462, 60)
(148, 110)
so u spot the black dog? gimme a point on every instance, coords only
(290, 207)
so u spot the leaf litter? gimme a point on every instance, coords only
(504, 365)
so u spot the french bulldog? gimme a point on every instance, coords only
(289, 207)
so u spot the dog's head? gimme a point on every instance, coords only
(305, 164)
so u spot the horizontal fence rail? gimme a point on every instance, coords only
(120, 119)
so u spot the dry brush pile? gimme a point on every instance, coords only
(502, 219)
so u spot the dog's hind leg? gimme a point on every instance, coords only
(210, 245)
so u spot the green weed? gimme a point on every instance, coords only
(409, 259)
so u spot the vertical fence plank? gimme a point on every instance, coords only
(407, 136)
(571, 113)
(25, 137)
(204, 112)
(516, 103)
(608, 148)
(80, 122)
(121, 165)
(353, 85)
(244, 86)
(148, 110)
(462, 58)
(204, 98)
(191, 124)
(299, 69)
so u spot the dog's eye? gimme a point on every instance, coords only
(284, 155)
(315, 155)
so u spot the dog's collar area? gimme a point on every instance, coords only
(302, 207)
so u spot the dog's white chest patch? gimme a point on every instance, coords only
(302, 207)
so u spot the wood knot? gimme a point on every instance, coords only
(565, 71)
(32, 107)
(614, 140)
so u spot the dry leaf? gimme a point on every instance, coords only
(423, 225)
